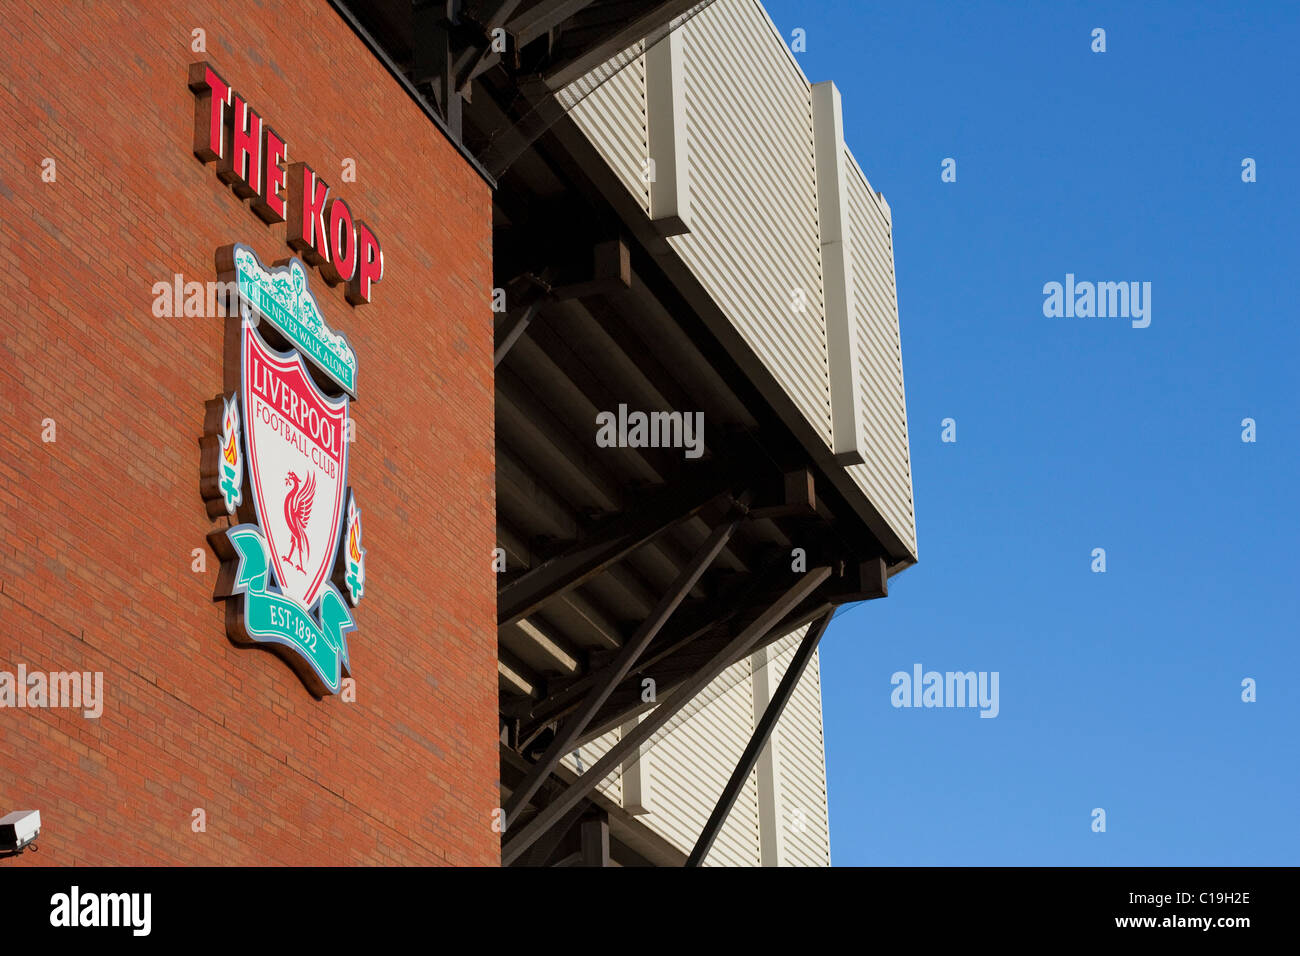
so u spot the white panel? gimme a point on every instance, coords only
(759, 230)
(694, 755)
(754, 239)
(637, 774)
(756, 228)
(768, 769)
(801, 763)
(886, 474)
(837, 273)
(670, 188)
(611, 111)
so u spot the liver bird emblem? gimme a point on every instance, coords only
(297, 512)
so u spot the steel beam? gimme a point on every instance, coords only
(593, 836)
(542, 17)
(611, 540)
(697, 620)
(578, 790)
(762, 732)
(433, 58)
(683, 647)
(473, 61)
(515, 324)
(618, 36)
(571, 729)
(541, 852)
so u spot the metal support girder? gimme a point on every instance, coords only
(683, 647)
(611, 271)
(759, 739)
(650, 25)
(593, 835)
(696, 620)
(696, 630)
(798, 497)
(572, 728)
(515, 324)
(747, 638)
(434, 60)
(610, 541)
(541, 852)
(475, 60)
(528, 292)
(490, 13)
(472, 64)
(542, 17)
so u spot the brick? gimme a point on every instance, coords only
(98, 527)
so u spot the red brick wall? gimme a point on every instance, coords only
(97, 528)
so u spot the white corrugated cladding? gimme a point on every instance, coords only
(614, 117)
(750, 204)
(754, 243)
(692, 757)
(886, 474)
(586, 756)
(801, 763)
(750, 195)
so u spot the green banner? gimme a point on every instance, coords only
(272, 618)
(283, 297)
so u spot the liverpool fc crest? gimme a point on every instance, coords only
(275, 457)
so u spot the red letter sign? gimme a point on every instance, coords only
(269, 206)
(307, 233)
(251, 158)
(242, 166)
(370, 265)
(211, 97)
(343, 243)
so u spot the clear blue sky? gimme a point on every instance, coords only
(1119, 690)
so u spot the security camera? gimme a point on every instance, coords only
(18, 829)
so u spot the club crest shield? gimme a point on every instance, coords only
(290, 381)
(297, 463)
